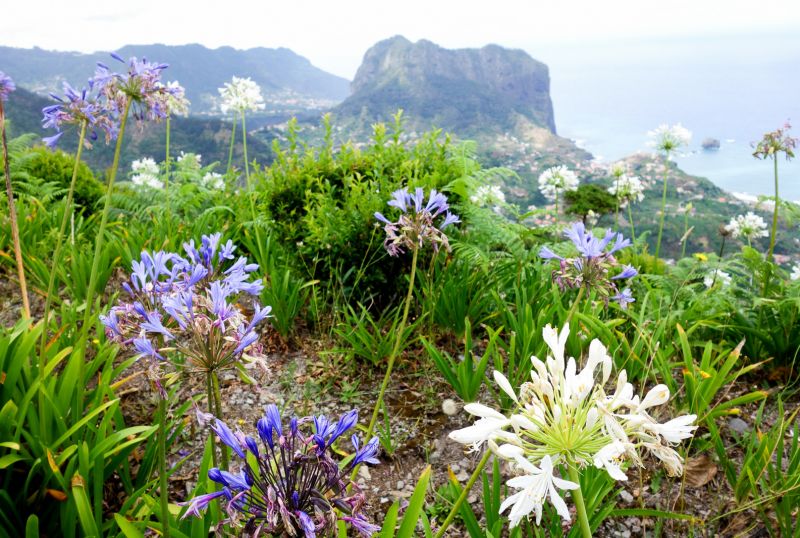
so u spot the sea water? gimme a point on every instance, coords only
(607, 95)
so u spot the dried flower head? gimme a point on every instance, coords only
(775, 142)
(291, 483)
(241, 94)
(564, 417)
(556, 180)
(594, 266)
(416, 225)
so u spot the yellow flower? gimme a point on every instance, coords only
(700, 256)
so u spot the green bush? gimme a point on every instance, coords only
(56, 167)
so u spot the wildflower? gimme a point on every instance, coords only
(140, 86)
(6, 86)
(715, 276)
(795, 275)
(627, 189)
(416, 226)
(565, 417)
(213, 180)
(175, 101)
(775, 142)
(193, 303)
(593, 268)
(190, 160)
(668, 138)
(75, 108)
(557, 180)
(749, 226)
(145, 173)
(488, 195)
(241, 94)
(290, 483)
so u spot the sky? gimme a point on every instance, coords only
(334, 35)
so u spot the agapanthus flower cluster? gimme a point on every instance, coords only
(668, 138)
(749, 226)
(775, 142)
(194, 304)
(564, 417)
(488, 195)
(290, 482)
(239, 95)
(417, 225)
(140, 86)
(213, 180)
(74, 109)
(717, 276)
(595, 269)
(145, 173)
(795, 274)
(175, 101)
(627, 189)
(6, 86)
(557, 180)
(190, 160)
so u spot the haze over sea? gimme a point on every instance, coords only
(733, 88)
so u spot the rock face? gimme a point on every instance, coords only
(457, 90)
(710, 144)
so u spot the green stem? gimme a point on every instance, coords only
(685, 234)
(244, 150)
(556, 208)
(633, 230)
(163, 493)
(230, 151)
(663, 204)
(774, 234)
(574, 306)
(616, 199)
(212, 410)
(580, 505)
(12, 215)
(166, 184)
(464, 493)
(98, 248)
(398, 339)
(250, 192)
(51, 283)
(218, 408)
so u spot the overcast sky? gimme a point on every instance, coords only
(335, 34)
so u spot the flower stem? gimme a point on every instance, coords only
(211, 409)
(574, 306)
(12, 214)
(774, 234)
(230, 151)
(580, 505)
(218, 414)
(48, 300)
(685, 233)
(163, 493)
(166, 184)
(633, 230)
(98, 248)
(464, 493)
(663, 204)
(395, 350)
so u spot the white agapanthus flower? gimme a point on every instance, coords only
(795, 274)
(557, 180)
(627, 189)
(749, 226)
(564, 417)
(488, 195)
(145, 173)
(193, 160)
(668, 138)
(176, 101)
(213, 180)
(241, 94)
(715, 276)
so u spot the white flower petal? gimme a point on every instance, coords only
(503, 383)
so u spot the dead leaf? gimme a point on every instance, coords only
(699, 471)
(57, 494)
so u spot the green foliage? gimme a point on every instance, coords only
(41, 164)
(589, 198)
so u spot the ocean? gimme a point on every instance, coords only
(607, 95)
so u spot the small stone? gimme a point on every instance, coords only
(363, 472)
(361, 481)
(738, 425)
(400, 484)
(384, 500)
(463, 476)
(626, 496)
(455, 468)
(449, 407)
(473, 498)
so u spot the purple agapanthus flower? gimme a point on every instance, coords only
(416, 225)
(140, 85)
(196, 306)
(6, 86)
(291, 483)
(75, 108)
(595, 268)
